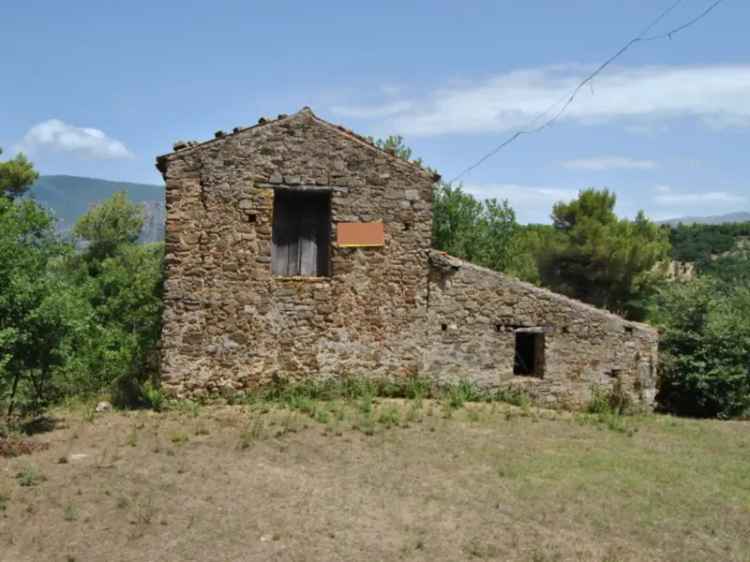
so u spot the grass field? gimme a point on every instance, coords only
(377, 480)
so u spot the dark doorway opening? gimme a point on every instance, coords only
(529, 354)
(301, 234)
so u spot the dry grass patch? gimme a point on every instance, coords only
(379, 479)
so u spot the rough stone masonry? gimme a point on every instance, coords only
(296, 248)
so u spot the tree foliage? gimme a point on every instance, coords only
(394, 144)
(119, 353)
(110, 225)
(36, 317)
(703, 243)
(705, 348)
(482, 232)
(601, 259)
(16, 176)
(75, 324)
(122, 283)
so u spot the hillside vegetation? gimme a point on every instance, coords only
(721, 250)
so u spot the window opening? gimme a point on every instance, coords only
(529, 354)
(301, 234)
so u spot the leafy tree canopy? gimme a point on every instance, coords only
(482, 232)
(36, 316)
(16, 176)
(109, 225)
(601, 259)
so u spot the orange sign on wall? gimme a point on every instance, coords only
(360, 234)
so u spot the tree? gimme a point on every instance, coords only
(109, 225)
(600, 259)
(482, 232)
(704, 348)
(36, 312)
(122, 282)
(394, 144)
(530, 241)
(118, 351)
(16, 176)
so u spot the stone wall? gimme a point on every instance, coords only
(396, 310)
(229, 324)
(474, 314)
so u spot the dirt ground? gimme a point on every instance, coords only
(408, 482)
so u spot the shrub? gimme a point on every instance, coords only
(153, 396)
(705, 349)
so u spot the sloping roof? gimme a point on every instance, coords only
(181, 146)
(445, 262)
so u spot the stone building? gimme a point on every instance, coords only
(296, 248)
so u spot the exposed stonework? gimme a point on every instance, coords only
(396, 310)
(474, 314)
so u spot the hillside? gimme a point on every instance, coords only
(712, 219)
(71, 196)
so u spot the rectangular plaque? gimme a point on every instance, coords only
(360, 234)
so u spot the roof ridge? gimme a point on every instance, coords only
(182, 145)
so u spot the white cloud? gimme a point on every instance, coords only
(531, 203)
(668, 203)
(667, 196)
(601, 163)
(719, 95)
(86, 142)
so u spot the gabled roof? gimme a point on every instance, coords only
(185, 146)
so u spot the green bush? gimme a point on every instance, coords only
(122, 283)
(704, 348)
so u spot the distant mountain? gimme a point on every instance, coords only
(714, 219)
(70, 196)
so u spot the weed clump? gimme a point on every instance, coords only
(390, 416)
(609, 410)
(29, 476)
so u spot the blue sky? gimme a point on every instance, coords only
(101, 88)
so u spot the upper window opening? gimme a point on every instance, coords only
(529, 354)
(301, 234)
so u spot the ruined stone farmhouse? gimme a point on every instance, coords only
(297, 249)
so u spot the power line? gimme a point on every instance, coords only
(568, 100)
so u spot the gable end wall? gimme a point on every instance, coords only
(229, 324)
